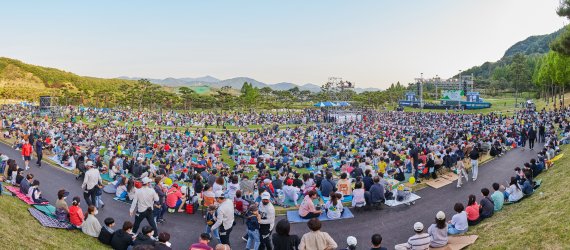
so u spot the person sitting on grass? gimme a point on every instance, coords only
(527, 186)
(91, 225)
(145, 238)
(376, 193)
(291, 193)
(35, 194)
(472, 210)
(358, 199)
(458, 223)
(61, 208)
(498, 197)
(163, 242)
(334, 206)
(343, 185)
(307, 209)
(514, 192)
(107, 231)
(76, 216)
(487, 204)
(420, 240)
(123, 237)
(438, 231)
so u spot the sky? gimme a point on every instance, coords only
(372, 43)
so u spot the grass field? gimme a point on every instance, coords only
(541, 221)
(22, 231)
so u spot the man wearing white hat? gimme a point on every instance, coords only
(144, 200)
(225, 217)
(267, 214)
(419, 241)
(91, 182)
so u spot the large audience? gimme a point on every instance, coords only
(158, 164)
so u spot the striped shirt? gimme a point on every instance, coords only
(419, 242)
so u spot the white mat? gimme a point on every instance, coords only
(54, 159)
(393, 203)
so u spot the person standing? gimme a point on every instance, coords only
(225, 217)
(531, 137)
(91, 183)
(267, 214)
(541, 133)
(474, 155)
(39, 152)
(27, 153)
(144, 200)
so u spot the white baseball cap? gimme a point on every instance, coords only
(219, 194)
(418, 227)
(440, 215)
(351, 241)
(146, 180)
(265, 196)
(89, 164)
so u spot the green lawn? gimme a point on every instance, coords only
(22, 231)
(541, 221)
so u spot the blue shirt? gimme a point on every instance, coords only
(326, 188)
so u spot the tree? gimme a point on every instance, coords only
(186, 94)
(519, 74)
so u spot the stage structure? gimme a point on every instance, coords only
(48, 106)
(455, 93)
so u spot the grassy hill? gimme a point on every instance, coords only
(19, 80)
(21, 231)
(541, 221)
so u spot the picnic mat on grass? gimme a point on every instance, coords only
(106, 177)
(453, 243)
(48, 210)
(393, 203)
(47, 221)
(437, 183)
(56, 160)
(345, 199)
(293, 216)
(16, 191)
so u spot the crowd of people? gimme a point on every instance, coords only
(152, 161)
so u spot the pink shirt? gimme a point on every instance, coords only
(307, 206)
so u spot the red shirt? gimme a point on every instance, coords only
(76, 216)
(472, 212)
(200, 246)
(27, 149)
(172, 197)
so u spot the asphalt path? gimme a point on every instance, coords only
(393, 223)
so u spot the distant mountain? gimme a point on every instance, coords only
(531, 46)
(235, 83)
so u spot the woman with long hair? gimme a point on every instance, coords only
(472, 211)
(334, 206)
(514, 192)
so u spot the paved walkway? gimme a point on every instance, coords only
(394, 224)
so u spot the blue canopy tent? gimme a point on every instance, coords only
(343, 104)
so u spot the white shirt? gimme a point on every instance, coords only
(225, 215)
(92, 178)
(267, 213)
(144, 198)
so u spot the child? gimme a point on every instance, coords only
(358, 199)
(211, 220)
(334, 206)
(107, 231)
(461, 173)
(252, 222)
